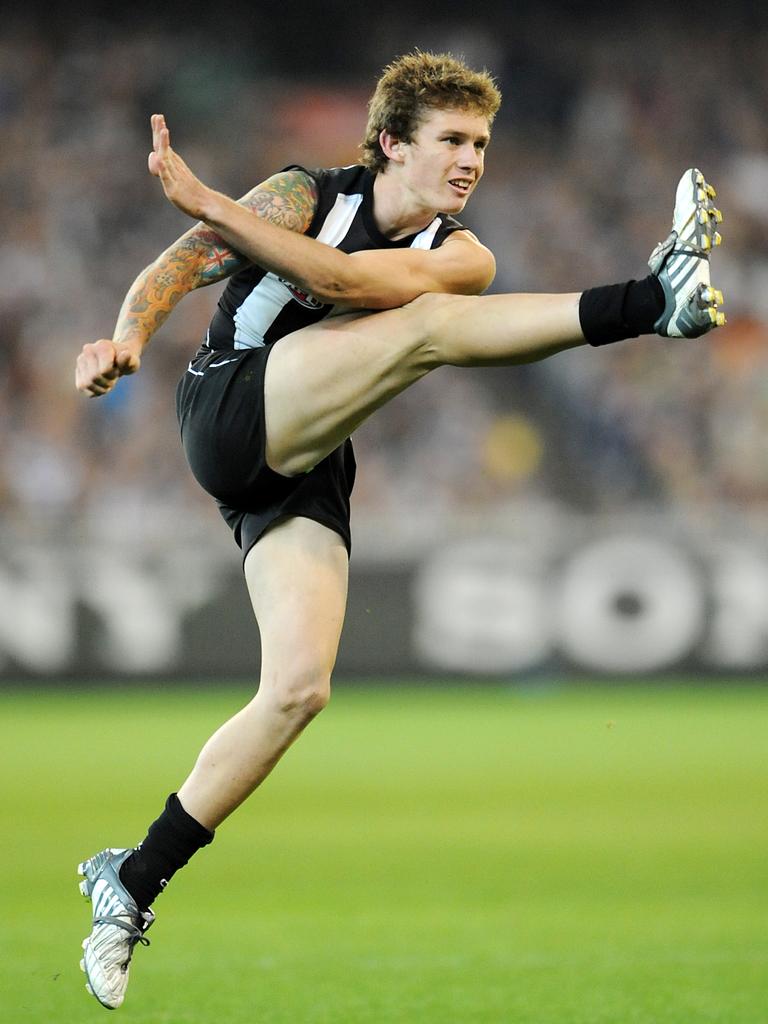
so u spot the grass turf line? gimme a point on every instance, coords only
(589, 856)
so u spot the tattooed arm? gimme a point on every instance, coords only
(199, 258)
(303, 261)
(374, 279)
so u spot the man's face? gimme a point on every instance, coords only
(445, 159)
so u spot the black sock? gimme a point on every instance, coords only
(170, 842)
(614, 312)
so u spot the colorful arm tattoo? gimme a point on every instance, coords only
(201, 257)
(288, 199)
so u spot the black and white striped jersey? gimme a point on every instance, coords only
(258, 307)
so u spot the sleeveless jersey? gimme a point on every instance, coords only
(258, 307)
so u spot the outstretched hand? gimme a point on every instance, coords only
(180, 185)
(102, 363)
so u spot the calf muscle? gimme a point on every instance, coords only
(498, 330)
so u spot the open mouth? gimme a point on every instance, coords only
(461, 185)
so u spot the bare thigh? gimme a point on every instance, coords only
(297, 580)
(322, 382)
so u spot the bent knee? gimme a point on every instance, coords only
(433, 304)
(302, 694)
(433, 315)
(425, 309)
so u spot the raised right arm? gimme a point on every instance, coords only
(200, 257)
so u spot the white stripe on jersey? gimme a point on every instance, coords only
(339, 220)
(426, 237)
(259, 311)
(270, 296)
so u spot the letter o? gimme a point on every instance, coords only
(629, 604)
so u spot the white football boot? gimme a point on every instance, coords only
(681, 262)
(118, 925)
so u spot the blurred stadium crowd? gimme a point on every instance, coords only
(593, 135)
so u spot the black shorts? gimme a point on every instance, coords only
(220, 408)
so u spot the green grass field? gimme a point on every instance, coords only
(468, 855)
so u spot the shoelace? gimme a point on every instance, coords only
(135, 934)
(680, 245)
(671, 246)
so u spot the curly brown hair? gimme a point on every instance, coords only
(415, 83)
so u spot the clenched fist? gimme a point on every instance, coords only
(102, 363)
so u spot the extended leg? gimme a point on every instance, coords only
(324, 381)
